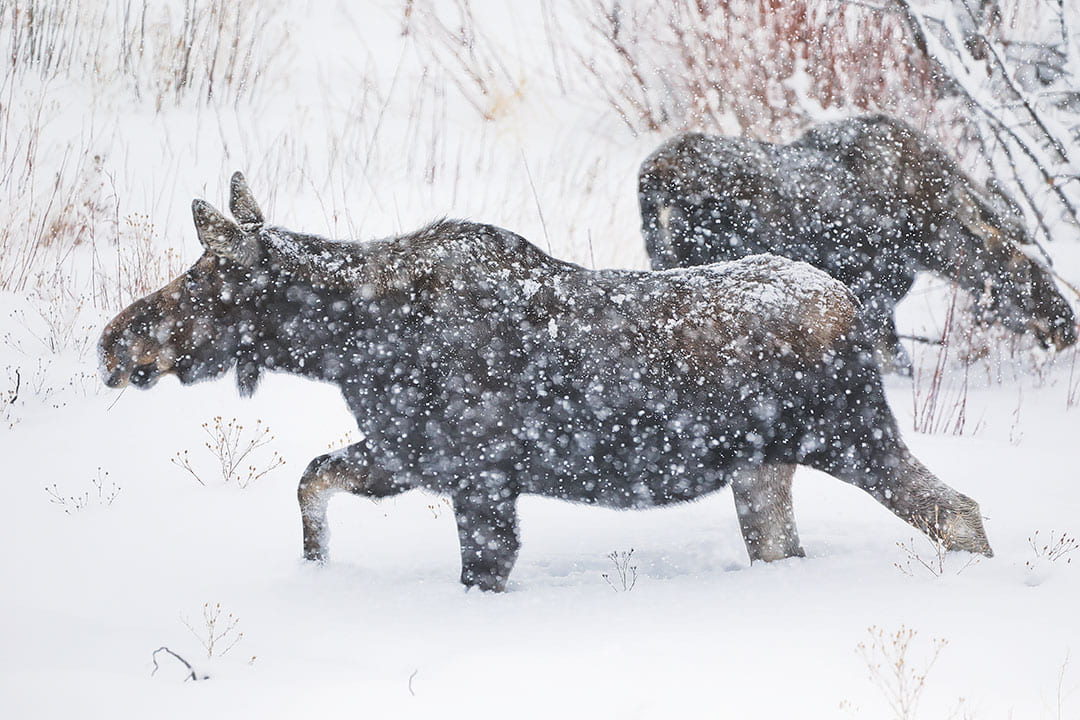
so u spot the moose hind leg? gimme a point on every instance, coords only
(763, 504)
(896, 479)
(488, 535)
(856, 439)
(915, 494)
(350, 470)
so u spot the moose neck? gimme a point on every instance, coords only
(326, 303)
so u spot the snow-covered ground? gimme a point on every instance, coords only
(356, 131)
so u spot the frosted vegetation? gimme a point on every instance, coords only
(168, 519)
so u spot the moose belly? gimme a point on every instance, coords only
(640, 459)
(625, 450)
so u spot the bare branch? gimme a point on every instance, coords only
(192, 675)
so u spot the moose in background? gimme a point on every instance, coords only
(482, 369)
(869, 200)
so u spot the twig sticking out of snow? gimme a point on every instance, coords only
(627, 573)
(1058, 547)
(894, 671)
(216, 630)
(940, 539)
(192, 675)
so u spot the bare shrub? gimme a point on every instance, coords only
(142, 264)
(755, 67)
(214, 49)
(46, 216)
(231, 446)
(216, 633)
(102, 492)
(625, 573)
(1059, 546)
(939, 402)
(895, 670)
(931, 554)
(449, 35)
(56, 325)
(1012, 66)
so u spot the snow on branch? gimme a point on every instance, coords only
(971, 63)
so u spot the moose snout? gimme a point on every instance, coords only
(128, 350)
(113, 372)
(114, 378)
(121, 364)
(1060, 334)
(1065, 334)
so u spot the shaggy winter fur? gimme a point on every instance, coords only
(480, 368)
(869, 200)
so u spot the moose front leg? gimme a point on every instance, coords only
(488, 535)
(763, 504)
(350, 470)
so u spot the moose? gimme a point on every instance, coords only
(482, 369)
(869, 200)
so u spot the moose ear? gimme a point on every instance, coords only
(242, 203)
(970, 212)
(1010, 212)
(222, 236)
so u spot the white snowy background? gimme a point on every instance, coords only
(361, 120)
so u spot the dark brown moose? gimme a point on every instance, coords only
(482, 369)
(869, 200)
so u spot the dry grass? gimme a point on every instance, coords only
(212, 49)
(451, 37)
(939, 399)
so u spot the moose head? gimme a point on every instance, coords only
(991, 262)
(205, 321)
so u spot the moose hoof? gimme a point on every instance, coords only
(485, 582)
(773, 553)
(317, 556)
(963, 530)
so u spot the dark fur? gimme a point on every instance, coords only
(869, 200)
(483, 369)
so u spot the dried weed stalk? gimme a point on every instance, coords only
(894, 670)
(939, 404)
(218, 635)
(933, 559)
(102, 492)
(1059, 546)
(625, 573)
(231, 446)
